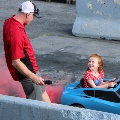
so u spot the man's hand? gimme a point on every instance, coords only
(38, 80)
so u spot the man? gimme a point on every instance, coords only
(19, 53)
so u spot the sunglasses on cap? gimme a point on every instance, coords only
(36, 11)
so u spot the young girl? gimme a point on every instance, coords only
(93, 77)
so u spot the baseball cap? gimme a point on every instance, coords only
(29, 7)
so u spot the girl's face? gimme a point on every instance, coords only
(93, 64)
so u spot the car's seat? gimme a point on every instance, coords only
(81, 84)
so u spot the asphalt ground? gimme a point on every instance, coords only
(61, 56)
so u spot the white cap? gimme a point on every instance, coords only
(29, 7)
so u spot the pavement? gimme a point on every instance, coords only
(60, 55)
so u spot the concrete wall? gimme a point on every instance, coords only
(97, 19)
(13, 108)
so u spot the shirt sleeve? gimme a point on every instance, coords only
(16, 44)
(88, 76)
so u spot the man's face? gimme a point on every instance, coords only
(29, 18)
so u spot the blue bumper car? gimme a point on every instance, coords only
(100, 99)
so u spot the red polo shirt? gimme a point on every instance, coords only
(17, 46)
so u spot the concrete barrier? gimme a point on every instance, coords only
(14, 108)
(97, 19)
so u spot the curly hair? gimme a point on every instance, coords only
(100, 61)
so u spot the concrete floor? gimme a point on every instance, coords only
(60, 55)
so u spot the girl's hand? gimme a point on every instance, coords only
(111, 84)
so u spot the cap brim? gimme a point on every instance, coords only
(37, 16)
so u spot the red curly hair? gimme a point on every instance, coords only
(100, 61)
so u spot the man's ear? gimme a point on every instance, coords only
(27, 15)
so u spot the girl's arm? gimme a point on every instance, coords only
(107, 85)
(112, 80)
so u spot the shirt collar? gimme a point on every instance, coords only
(18, 23)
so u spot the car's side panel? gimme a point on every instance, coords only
(72, 96)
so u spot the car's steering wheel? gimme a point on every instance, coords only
(116, 80)
(115, 85)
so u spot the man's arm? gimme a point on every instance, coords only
(20, 66)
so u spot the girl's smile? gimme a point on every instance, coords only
(93, 63)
